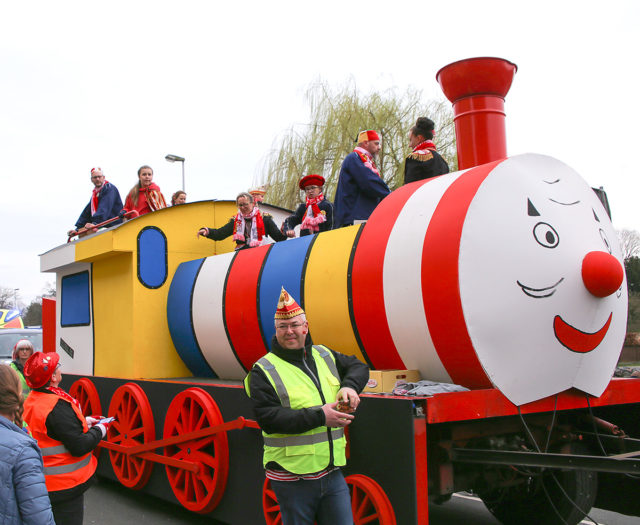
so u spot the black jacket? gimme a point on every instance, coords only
(420, 167)
(273, 417)
(270, 229)
(296, 218)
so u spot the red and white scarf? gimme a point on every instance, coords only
(94, 197)
(313, 216)
(425, 145)
(366, 157)
(61, 393)
(154, 196)
(257, 227)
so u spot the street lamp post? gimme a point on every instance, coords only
(176, 158)
(15, 297)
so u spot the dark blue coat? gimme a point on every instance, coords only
(296, 218)
(23, 493)
(109, 205)
(359, 191)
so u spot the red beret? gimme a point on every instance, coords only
(311, 180)
(39, 368)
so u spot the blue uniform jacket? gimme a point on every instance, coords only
(109, 205)
(23, 493)
(359, 191)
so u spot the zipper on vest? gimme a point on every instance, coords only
(317, 383)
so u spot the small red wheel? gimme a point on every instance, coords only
(133, 426)
(369, 502)
(192, 410)
(270, 505)
(87, 395)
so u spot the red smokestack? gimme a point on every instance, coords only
(477, 87)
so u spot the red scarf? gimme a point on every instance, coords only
(61, 393)
(155, 199)
(313, 217)
(424, 145)
(257, 227)
(94, 197)
(367, 159)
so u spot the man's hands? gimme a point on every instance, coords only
(338, 413)
(348, 396)
(334, 418)
(202, 232)
(290, 233)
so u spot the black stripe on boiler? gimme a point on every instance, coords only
(264, 261)
(350, 296)
(304, 270)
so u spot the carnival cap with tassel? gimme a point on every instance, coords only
(287, 306)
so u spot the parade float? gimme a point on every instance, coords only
(504, 278)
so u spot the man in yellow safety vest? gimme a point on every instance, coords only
(303, 396)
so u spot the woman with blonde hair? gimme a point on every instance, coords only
(21, 352)
(23, 493)
(145, 196)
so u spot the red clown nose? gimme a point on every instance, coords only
(602, 273)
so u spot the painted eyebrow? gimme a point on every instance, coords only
(551, 181)
(565, 203)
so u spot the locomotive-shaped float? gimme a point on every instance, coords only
(504, 277)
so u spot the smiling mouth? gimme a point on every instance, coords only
(577, 340)
(539, 293)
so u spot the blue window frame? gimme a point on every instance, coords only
(75, 306)
(152, 257)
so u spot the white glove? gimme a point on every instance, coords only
(91, 420)
(103, 429)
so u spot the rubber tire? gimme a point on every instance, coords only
(529, 505)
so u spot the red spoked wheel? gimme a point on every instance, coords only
(270, 505)
(190, 411)
(87, 395)
(369, 502)
(133, 426)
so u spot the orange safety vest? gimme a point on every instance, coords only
(61, 469)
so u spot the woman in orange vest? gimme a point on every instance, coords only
(65, 437)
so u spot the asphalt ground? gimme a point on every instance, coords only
(109, 503)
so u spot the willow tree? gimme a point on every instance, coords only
(336, 117)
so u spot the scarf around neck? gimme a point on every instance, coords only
(61, 393)
(257, 227)
(154, 196)
(313, 217)
(95, 195)
(367, 159)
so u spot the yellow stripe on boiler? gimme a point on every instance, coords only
(325, 291)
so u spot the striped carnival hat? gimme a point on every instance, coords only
(366, 135)
(287, 306)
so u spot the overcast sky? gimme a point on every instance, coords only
(121, 84)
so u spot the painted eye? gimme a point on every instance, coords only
(545, 235)
(605, 240)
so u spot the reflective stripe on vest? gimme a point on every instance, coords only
(304, 439)
(309, 451)
(69, 467)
